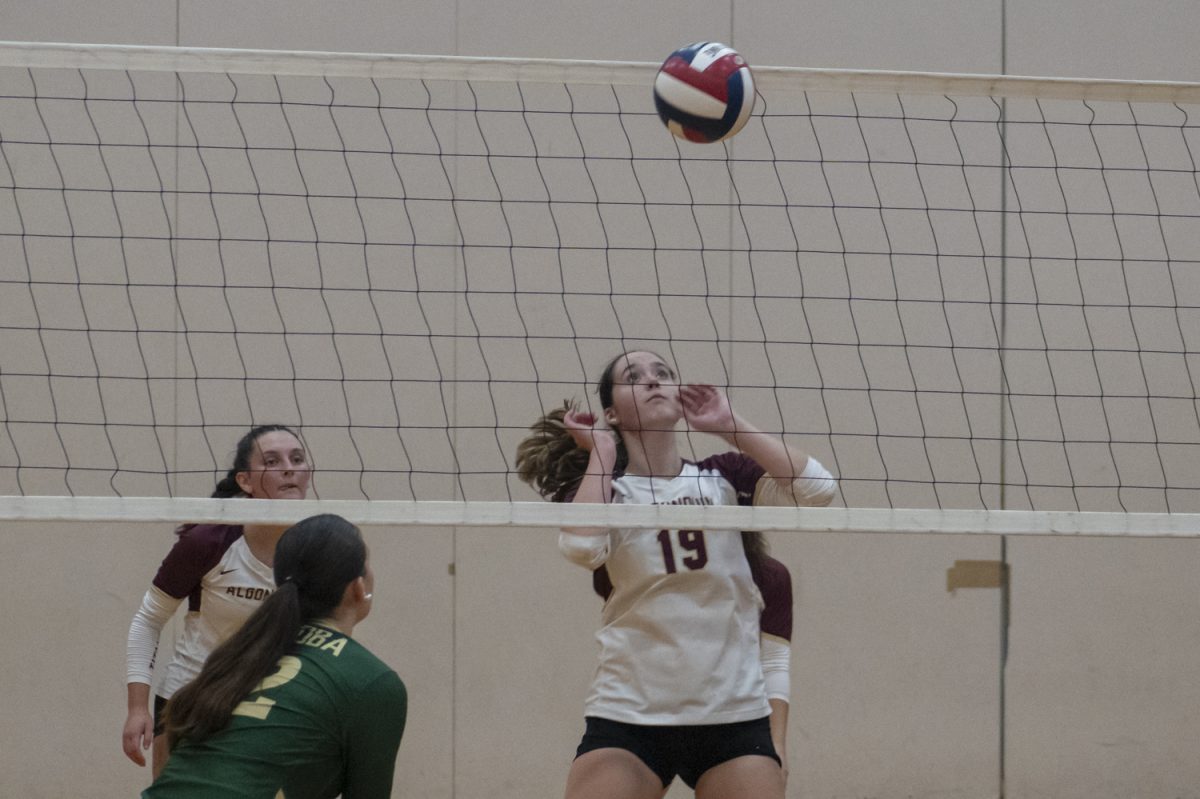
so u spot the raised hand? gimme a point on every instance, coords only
(707, 409)
(589, 431)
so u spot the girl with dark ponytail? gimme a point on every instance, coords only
(290, 705)
(695, 641)
(222, 571)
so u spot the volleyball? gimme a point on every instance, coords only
(704, 92)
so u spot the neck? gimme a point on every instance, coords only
(343, 619)
(652, 454)
(262, 538)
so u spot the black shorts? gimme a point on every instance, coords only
(159, 704)
(684, 750)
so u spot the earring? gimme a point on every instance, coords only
(368, 596)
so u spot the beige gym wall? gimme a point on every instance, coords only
(896, 680)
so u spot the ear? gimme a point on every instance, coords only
(243, 481)
(358, 598)
(357, 590)
(610, 416)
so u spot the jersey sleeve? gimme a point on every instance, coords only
(602, 583)
(775, 584)
(376, 725)
(589, 551)
(742, 472)
(815, 487)
(197, 550)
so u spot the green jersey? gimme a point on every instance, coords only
(326, 722)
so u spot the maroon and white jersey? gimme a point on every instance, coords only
(213, 569)
(679, 643)
(774, 582)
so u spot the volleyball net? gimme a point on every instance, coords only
(963, 294)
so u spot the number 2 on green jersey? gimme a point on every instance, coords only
(287, 668)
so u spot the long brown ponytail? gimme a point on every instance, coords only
(315, 560)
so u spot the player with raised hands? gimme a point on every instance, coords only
(680, 688)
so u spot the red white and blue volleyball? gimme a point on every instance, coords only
(704, 92)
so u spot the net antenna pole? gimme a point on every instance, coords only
(1005, 586)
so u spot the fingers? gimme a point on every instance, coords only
(585, 428)
(689, 397)
(698, 398)
(136, 733)
(706, 408)
(580, 419)
(697, 392)
(132, 750)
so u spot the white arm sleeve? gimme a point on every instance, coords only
(776, 657)
(814, 487)
(589, 551)
(157, 609)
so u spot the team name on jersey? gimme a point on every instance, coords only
(687, 501)
(319, 639)
(242, 592)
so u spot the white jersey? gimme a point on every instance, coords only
(679, 642)
(212, 567)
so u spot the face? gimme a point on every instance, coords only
(279, 468)
(645, 393)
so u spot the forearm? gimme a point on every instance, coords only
(782, 461)
(142, 644)
(595, 487)
(779, 722)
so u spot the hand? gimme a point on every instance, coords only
(589, 431)
(707, 409)
(137, 736)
